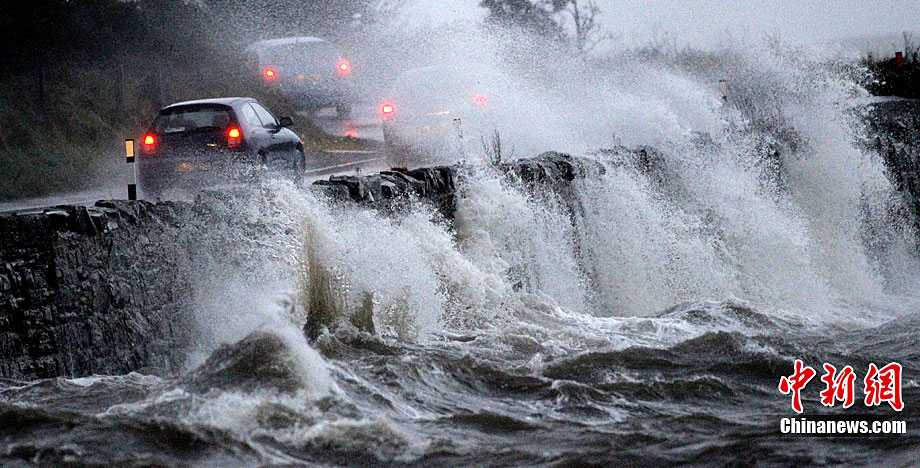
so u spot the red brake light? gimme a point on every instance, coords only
(150, 144)
(269, 74)
(344, 68)
(233, 138)
(480, 98)
(387, 109)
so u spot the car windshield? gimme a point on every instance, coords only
(307, 56)
(436, 88)
(188, 119)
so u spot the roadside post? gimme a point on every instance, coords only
(458, 126)
(129, 159)
(723, 89)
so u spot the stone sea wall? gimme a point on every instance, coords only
(106, 289)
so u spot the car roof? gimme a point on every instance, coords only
(442, 75)
(464, 73)
(282, 41)
(227, 101)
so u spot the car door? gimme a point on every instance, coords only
(282, 148)
(257, 137)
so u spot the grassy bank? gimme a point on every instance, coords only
(71, 137)
(80, 76)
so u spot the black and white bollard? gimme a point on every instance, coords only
(458, 127)
(129, 158)
(723, 89)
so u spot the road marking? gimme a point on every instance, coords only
(89, 197)
(27, 211)
(338, 166)
(350, 151)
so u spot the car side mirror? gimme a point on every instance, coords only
(286, 121)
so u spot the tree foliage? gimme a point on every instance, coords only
(551, 18)
(533, 16)
(43, 31)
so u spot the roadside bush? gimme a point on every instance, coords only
(891, 78)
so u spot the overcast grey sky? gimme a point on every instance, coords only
(710, 22)
(707, 22)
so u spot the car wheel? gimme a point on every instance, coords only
(300, 167)
(343, 111)
(261, 167)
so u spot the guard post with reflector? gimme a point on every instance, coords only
(129, 159)
(458, 127)
(723, 89)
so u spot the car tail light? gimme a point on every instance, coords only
(480, 98)
(234, 138)
(150, 144)
(387, 110)
(343, 68)
(269, 74)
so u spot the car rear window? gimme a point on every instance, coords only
(307, 55)
(194, 118)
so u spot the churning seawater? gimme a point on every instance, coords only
(642, 318)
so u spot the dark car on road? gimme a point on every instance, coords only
(309, 71)
(197, 143)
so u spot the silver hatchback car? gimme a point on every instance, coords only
(309, 71)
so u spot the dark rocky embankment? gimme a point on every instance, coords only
(894, 132)
(80, 292)
(106, 289)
